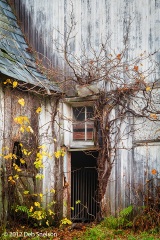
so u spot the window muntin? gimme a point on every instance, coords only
(83, 125)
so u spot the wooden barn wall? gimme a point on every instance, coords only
(42, 21)
(44, 131)
(2, 201)
(49, 136)
(12, 110)
(12, 134)
(47, 22)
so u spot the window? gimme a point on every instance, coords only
(83, 124)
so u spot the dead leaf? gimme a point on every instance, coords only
(154, 171)
(119, 56)
(153, 115)
(136, 68)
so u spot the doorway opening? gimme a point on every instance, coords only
(84, 183)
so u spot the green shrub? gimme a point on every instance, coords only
(95, 233)
(122, 221)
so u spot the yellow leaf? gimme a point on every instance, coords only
(39, 155)
(29, 153)
(41, 195)
(57, 154)
(66, 221)
(21, 102)
(37, 204)
(10, 179)
(31, 209)
(24, 151)
(39, 176)
(39, 109)
(8, 81)
(15, 83)
(8, 156)
(16, 176)
(21, 120)
(55, 140)
(38, 164)
(14, 156)
(5, 148)
(78, 201)
(50, 212)
(29, 129)
(18, 170)
(22, 129)
(26, 192)
(35, 194)
(22, 160)
(52, 191)
(148, 89)
(47, 223)
(42, 146)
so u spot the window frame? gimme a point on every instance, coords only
(86, 123)
(67, 131)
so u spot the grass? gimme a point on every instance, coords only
(100, 232)
(120, 227)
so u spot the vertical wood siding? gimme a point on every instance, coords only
(42, 21)
(44, 133)
(47, 22)
(2, 201)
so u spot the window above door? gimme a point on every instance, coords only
(82, 123)
(79, 124)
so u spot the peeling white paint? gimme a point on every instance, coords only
(95, 21)
(46, 140)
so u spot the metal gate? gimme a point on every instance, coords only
(84, 194)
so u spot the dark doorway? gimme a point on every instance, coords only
(84, 182)
(17, 151)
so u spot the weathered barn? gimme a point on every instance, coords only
(78, 32)
(28, 103)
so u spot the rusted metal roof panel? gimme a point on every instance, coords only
(15, 61)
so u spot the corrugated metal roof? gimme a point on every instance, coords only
(15, 61)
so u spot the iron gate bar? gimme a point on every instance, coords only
(84, 188)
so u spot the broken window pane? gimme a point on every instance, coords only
(79, 113)
(89, 112)
(83, 125)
